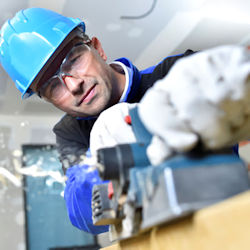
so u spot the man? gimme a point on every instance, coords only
(50, 55)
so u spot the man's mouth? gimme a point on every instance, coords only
(88, 96)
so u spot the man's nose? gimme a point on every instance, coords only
(74, 85)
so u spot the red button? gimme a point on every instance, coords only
(110, 190)
(127, 119)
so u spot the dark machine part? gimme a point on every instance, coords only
(117, 161)
(104, 207)
(114, 164)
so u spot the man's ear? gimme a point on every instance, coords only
(98, 46)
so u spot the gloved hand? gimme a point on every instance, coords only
(111, 128)
(78, 193)
(205, 97)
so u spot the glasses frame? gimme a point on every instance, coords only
(59, 73)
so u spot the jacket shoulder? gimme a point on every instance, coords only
(150, 75)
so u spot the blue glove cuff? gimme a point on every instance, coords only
(78, 196)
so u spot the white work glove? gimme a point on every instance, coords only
(111, 128)
(204, 97)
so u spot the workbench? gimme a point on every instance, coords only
(223, 226)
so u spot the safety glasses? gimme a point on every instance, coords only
(71, 66)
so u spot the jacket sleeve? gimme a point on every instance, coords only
(72, 139)
(162, 68)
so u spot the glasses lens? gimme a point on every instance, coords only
(53, 88)
(71, 65)
(75, 59)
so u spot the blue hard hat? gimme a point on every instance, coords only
(28, 40)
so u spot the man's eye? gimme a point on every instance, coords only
(68, 65)
(74, 59)
(73, 55)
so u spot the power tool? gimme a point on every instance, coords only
(140, 195)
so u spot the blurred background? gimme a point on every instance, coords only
(145, 31)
